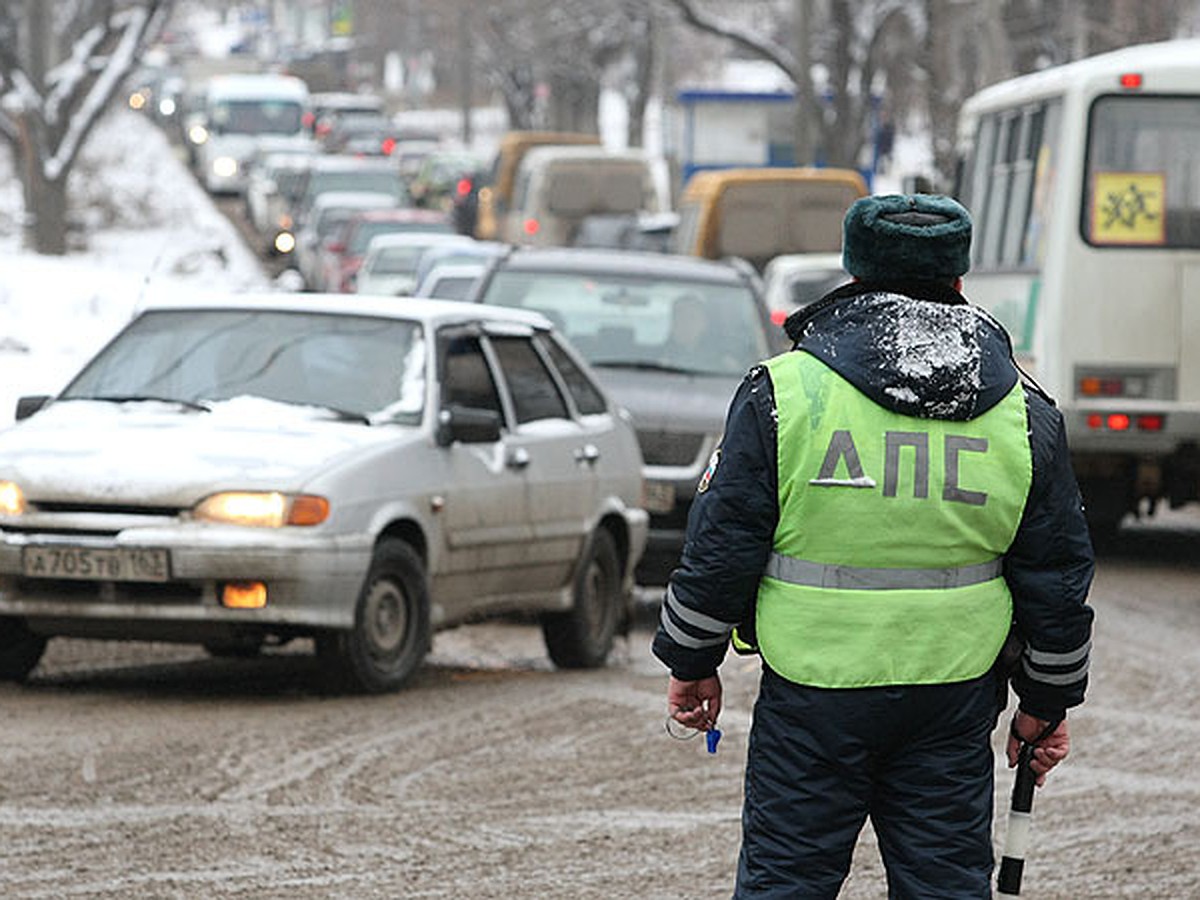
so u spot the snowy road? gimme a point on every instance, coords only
(153, 771)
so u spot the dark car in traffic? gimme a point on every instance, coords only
(670, 337)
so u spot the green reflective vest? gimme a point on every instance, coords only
(886, 567)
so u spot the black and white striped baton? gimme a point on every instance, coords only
(1020, 816)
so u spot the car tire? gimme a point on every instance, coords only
(582, 637)
(20, 649)
(391, 633)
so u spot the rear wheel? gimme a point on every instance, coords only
(582, 637)
(20, 649)
(391, 633)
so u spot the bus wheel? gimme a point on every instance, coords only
(1104, 506)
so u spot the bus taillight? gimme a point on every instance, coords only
(1113, 386)
(1131, 81)
(1123, 422)
(1150, 423)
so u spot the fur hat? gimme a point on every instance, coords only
(906, 236)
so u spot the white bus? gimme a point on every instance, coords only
(244, 116)
(1084, 184)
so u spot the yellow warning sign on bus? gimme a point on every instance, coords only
(1128, 208)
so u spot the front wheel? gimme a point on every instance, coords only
(582, 637)
(20, 649)
(391, 633)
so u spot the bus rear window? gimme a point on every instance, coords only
(1143, 172)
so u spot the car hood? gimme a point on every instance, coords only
(160, 454)
(667, 401)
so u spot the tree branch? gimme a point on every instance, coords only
(748, 40)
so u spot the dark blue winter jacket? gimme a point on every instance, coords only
(867, 334)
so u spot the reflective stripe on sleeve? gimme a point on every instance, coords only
(716, 632)
(1043, 658)
(855, 578)
(1054, 678)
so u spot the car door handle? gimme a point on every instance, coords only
(518, 458)
(587, 454)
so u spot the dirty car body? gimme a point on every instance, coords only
(250, 469)
(621, 309)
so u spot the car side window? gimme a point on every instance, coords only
(534, 393)
(467, 379)
(587, 397)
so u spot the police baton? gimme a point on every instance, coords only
(1020, 815)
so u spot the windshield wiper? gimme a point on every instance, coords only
(643, 365)
(344, 415)
(143, 398)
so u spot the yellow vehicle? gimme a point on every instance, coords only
(762, 213)
(495, 198)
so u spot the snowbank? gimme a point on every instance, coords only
(148, 227)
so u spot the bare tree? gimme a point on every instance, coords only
(60, 65)
(857, 44)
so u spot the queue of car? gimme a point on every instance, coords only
(442, 427)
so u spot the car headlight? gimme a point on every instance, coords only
(197, 134)
(12, 499)
(225, 166)
(262, 509)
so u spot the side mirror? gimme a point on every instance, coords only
(27, 406)
(467, 425)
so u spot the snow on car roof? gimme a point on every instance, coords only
(432, 313)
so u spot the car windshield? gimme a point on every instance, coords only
(395, 260)
(368, 229)
(379, 182)
(357, 365)
(256, 117)
(629, 321)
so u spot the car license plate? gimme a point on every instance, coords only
(659, 496)
(96, 564)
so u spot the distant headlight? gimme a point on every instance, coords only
(197, 134)
(265, 509)
(225, 166)
(12, 499)
(285, 242)
(166, 107)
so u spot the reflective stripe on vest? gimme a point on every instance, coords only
(855, 578)
(887, 556)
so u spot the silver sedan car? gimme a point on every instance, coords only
(246, 470)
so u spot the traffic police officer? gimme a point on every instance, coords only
(891, 507)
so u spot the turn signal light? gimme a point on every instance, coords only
(244, 595)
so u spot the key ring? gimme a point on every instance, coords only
(681, 732)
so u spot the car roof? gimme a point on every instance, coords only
(403, 214)
(787, 263)
(353, 199)
(338, 163)
(540, 154)
(418, 238)
(256, 85)
(619, 262)
(429, 312)
(454, 270)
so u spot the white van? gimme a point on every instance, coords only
(244, 116)
(558, 187)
